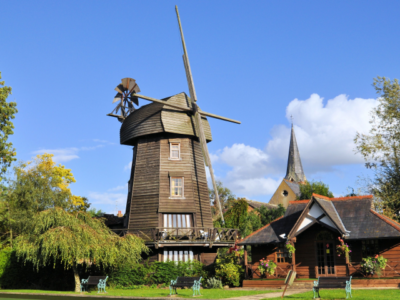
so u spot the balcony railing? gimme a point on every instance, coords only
(204, 235)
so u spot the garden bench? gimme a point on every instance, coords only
(100, 281)
(193, 282)
(333, 283)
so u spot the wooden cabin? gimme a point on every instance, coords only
(313, 227)
(168, 203)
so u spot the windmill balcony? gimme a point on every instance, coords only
(186, 235)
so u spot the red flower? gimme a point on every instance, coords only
(376, 256)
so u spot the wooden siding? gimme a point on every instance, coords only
(144, 121)
(199, 186)
(145, 193)
(185, 168)
(157, 118)
(150, 196)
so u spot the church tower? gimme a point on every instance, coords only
(289, 188)
(294, 171)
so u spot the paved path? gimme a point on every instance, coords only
(268, 295)
(99, 297)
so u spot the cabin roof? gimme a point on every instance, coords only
(352, 216)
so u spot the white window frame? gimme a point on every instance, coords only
(170, 151)
(183, 187)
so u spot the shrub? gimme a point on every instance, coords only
(214, 283)
(229, 267)
(155, 273)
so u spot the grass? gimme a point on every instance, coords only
(147, 292)
(341, 294)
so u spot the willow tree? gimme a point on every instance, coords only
(73, 239)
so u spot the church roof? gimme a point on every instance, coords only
(294, 186)
(350, 215)
(294, 170)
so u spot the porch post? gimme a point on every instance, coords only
(245, 263)
(293, 255)
(245, 257)
(347, 265)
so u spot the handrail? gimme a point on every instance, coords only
(187, 234)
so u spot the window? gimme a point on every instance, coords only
(175, 151)
(178, 220)
(285, 193)
(282, 254)
(176, 187)
(175, 255)
(370, 248)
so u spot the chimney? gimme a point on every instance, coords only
(120, 215)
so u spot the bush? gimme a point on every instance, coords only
(214, 283)
(15, 274)
(155, 273)
(229, 267)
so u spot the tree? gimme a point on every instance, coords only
(267, 215)
(7, 113)
(37, 185)
(314, 187)
(95, 213)
(75, 239)
(225, 197)
(381, 147)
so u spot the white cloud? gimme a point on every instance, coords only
(61, 155)
(108, 202)
(128, 166)
(324, 135)
(119, 188)
(66, 154)
(103, 141)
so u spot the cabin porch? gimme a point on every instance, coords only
(316, 256)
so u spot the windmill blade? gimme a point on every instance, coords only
(203, 113)
(207, 160)
(117, 97)
(186, 63)
(120, 89)
(184, 108)
(117, 108)
(134, 99)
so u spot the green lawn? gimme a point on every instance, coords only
(341, 294)
(185, 293)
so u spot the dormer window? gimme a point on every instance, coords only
(176, 184)
(175, 151)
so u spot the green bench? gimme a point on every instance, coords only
(193, 282)
(100, 281)
(333, 283)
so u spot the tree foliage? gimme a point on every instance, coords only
(314, 187)
(73, 239)
(226, 197)
(36, 186)
(7, 113)
(268, 215)
(381, 147)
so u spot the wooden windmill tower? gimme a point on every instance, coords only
(168, 203)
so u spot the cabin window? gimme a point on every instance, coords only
(176, 187)
(177, 220)
(370, 248)
(177, 255)
(282, 254)
(175, 151)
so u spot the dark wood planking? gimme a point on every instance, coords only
(156, 118)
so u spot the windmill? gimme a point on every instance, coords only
(126, 97)
(167, 191)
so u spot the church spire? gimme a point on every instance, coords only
(294, 167)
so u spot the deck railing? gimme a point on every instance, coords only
(204, 235)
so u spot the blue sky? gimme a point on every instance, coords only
(255, 61)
